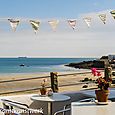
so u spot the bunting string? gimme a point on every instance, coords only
(113, 13)
(103, 18)
(87, 21)
(72, 23)
(35, 25)
(54, 23)
(14, 24)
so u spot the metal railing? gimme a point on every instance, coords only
(37, 88)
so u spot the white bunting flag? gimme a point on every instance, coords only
(53, 24)
(14, 24)
(103, 18)
(113, 13)
(72, 23)
(87, 21)
(35, 25)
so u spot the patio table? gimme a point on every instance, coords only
(50, 99)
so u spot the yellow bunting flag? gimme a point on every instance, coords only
(103, 18)
(113, 13)
(87, 21)
(53, 24)
(14, 24)
(72, 23)
(35, 25)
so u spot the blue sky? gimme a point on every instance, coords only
(52, 8)
(83, 42)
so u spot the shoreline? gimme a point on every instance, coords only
(42, 73)
(70, 70)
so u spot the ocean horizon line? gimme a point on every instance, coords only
(47, 57)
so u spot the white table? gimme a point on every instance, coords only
(91, 108)
(91, 93)
(50, 99)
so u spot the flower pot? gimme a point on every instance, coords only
(43, 91)
(102, 95)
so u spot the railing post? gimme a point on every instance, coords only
(108, 72)
(54, 81)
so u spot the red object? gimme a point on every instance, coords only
(98, 73)
(94, 71)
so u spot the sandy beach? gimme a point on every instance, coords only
(71, 82)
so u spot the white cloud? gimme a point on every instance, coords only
(91, 42)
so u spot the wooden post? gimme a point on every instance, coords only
(108, 70)
(54, 81)
(108, 73)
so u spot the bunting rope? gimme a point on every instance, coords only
(103, 18)
(87, 21)
(35, 25)
(14, 24)
(72, 23)
(54, 23)
(113, 13)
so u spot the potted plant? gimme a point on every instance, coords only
(103, 87)
(43, 89)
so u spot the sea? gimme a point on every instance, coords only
(38, 65)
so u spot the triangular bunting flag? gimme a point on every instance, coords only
(14, 24)
(35, 25)
(53, 24)
(87, 21)
(103, 18)
(113, 13)
(72, 23)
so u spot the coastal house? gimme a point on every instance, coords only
(111, 57)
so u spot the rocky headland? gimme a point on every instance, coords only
(99, 63)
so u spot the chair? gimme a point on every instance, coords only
(87, 100)
(69, 109)
(62, 111)
(9, 105)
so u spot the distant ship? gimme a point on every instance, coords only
(22, 65)
(22, 57)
